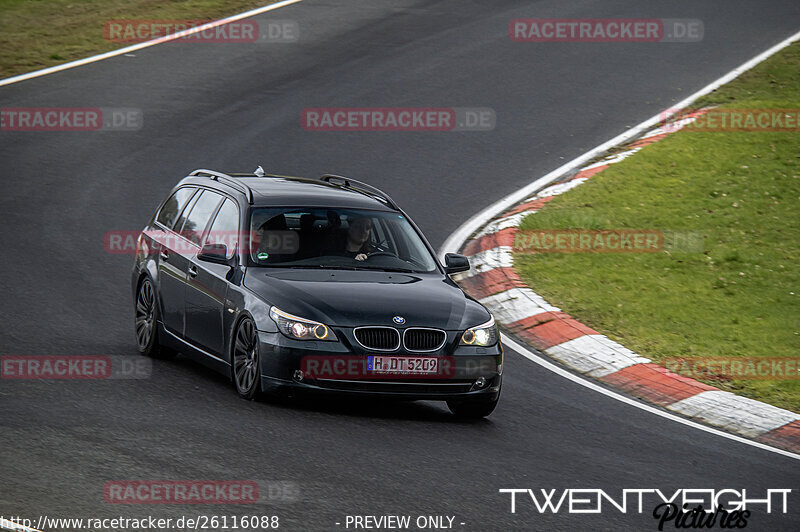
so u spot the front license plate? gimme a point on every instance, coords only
(405, 365)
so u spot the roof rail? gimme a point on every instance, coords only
(359, 186)
(229, 180)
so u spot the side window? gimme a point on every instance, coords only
(185, 212)
(174, 205)
(198, 217)
(225, 229)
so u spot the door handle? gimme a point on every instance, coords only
(192, 271)
(164, 255)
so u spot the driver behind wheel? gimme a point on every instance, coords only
(357, 242)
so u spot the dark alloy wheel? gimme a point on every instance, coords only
(246, 367)
(147, 323)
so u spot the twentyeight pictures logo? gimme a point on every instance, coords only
(591, 500)
(683, 508)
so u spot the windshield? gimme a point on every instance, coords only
(337, 238)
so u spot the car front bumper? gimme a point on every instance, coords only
(472, 373)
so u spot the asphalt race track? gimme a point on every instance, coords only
(234, 106)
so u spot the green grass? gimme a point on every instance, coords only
(37, 34)
(741, 191)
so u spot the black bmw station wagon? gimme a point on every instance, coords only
(290, 284)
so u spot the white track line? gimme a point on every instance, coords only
(11, 526)
(533, 357)
(456, 240)
(139, 46)
(460, 235)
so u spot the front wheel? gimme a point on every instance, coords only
(246, 366)
(472, 409)
(147, 323)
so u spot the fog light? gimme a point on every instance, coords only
(298, 375)
(479, 383)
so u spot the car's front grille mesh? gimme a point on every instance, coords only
(388, 338)
(423, 339)
(383, 338)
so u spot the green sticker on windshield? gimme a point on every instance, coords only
(263, 256)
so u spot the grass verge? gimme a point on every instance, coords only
(739, 296)
(37, 34)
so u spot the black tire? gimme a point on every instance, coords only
(472, 409)
(246, 364)
(146, 322)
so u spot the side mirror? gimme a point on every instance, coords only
(216, 253)
(454, 263)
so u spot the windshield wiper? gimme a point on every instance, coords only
(396, 270)
(339, 267)
(323, 267)
(306, 266)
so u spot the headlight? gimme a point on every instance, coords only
(483, 335)
(301, 328)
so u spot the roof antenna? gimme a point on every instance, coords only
(259, 171)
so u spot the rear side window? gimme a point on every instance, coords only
(198, 217)
(174, 205)
(225, 229)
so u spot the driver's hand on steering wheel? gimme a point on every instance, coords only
(361, 256)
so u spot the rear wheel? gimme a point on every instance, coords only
(246, 366)
(147, 322)
(472, 409)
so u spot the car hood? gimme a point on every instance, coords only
(348, 298)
